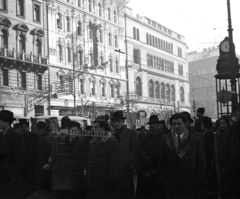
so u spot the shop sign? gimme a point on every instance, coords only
(37, 99)
(12, 99)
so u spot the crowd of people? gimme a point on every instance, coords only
(187, 160)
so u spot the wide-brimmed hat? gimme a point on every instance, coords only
(187, 114)
(154, 120)
(65, 122)
(5, 114)
(118, 115)
(23, 122)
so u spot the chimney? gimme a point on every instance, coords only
(205, 49)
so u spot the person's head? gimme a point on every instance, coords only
(100, 124)
(200, 112)
(189, 119)
(224, 123)
(65, 122)
(6, 119)
(74, 124)
(41, 128)
(23, 126)
(207, 123)
(162, 123)
(154, 123)
(118, 119)
(178, 123)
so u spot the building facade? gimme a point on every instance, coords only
(87, 74)
(157, 67)
(24, 65)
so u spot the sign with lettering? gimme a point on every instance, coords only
(37, 98)
(12, 99)
(76, 132)
(141, 114)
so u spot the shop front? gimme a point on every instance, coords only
(13, 102)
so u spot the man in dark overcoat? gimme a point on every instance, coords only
(11, 157)
(148, 151)
(181, 161)
(128, 155)
(198, 126)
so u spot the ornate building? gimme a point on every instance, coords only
(86, 71)
(23, 68)
(157, 67)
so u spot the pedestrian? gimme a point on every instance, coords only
(30, 151)
(181, 161)
(128, 155)
(102, 168)
(148, 179)
(164, 128)
(198, 126)
(11, 157)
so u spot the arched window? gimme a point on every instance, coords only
(69, 54)
(118, 91)
(173, 97)
(68, 23)
(182, 99)
(111, 65)
(168, 92)
(38, 47)
(134, 33)
(79, 28)
(60, 52)
(21, 44)
(151, 89)
(116, 41)
(138, 35)
(138, 86)
(110, 39)
(115, 16)
(162, 90)
(157, 90)
(59, 20)
(112, 90)
(81, 86)
(3, 39)
(109, 14)
(80, 54)
(100, 9)
(147, 38)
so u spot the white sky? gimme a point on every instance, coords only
(204, 23)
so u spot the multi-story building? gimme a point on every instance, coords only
(158, 69)
(23, 68)
(86, 71)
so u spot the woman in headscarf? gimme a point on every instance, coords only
(102, 167)
(222, 140)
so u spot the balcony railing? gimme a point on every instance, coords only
(22, 56)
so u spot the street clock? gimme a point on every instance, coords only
(224, 46)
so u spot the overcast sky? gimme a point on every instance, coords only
(204, 23)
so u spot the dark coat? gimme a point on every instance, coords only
(11, 160)
(102, 170)
(198, 126)
(182, 175)
(194, 132)
(165, 130)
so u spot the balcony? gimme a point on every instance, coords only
(28, 62)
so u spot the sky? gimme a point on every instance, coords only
(204, 23)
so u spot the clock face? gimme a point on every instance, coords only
(225, 47)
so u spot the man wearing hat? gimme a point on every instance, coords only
(163, 126)
(149, 155)
(128, 154)
(11, 157)
(198, 126)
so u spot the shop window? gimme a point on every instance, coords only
(39, 110)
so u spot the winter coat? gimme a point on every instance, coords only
(11, 160)
(182, 173)
(102, 169)
(198, 126)
(209, 143)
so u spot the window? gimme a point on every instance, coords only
(116, 41)
(151, 89)
(112, 90)
(117, 67)
(179, 52)
(103, 89)
(81, 86)
(36, 13)
(162, 91)
(111, 65)
(69, 54)
(90, 33)
(138, 86)
(137, 56)
(3, 39)
(60, 52)
(92, 86)
(138, 36)
(118, 91)
(21, 43)
(38, 47)
(110, 39)
(3, 4)
(100, 36)
(23, 80)
(157, 90)
(173, 97)
(147, 38)
(109, 13)
(81, 57)
(134, 33)
(180, 70)
(168, 93)
(100, 9)
(68, 24)
(59, 21)
(182, 99)
(115, 16)
(79, 28)
(39, 82)
(20, 8)
(5, 77)
(79, 3)
(90, 5)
